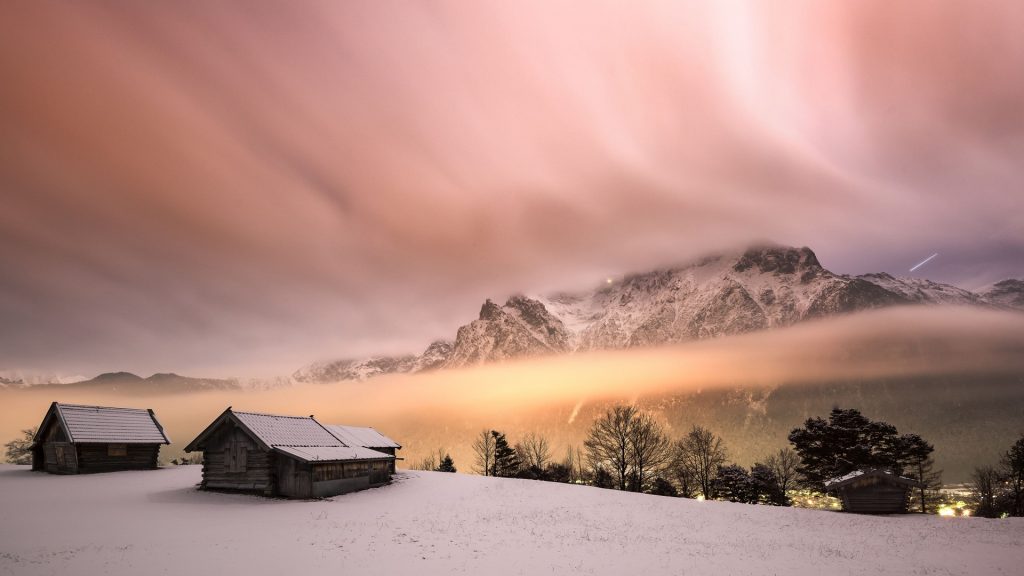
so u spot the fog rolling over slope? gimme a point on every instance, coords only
(953, 374)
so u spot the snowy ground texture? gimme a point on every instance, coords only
(434, 523)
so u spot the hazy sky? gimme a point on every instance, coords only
(239, 189)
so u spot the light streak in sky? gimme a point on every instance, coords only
(923, 262)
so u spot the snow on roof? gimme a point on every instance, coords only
(869, 472)
(332, 453)
(277, 431)
(103, 424)
(839, 479)
(361, 436)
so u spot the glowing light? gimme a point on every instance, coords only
(947, 511)
(700, 498)
(608, 280)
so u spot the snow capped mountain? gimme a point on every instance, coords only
(358, 369)
(760, 288)
(924, 291)
(1008, 293)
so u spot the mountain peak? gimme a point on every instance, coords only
(490, 310)
(1007, 292)
(779, 259)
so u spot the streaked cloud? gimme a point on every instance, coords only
(241, 188)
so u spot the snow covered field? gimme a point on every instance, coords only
(433, 523)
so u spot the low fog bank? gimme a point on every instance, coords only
(954, 375)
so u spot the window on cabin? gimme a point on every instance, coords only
(117, 449)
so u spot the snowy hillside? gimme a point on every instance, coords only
(156, 522)
(760, 288)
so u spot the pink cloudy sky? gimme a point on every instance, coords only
(240, 188)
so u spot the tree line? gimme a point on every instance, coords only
(628, 449)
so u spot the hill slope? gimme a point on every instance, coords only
(435, 523)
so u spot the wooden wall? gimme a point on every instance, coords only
(100, 457)
(874, 499)
(294, 478)
(233, 461)
(391, 451)
(88, 458)
(60, 458)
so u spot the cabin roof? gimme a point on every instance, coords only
(361, 436)
(852, 477)
(105, 424)
(276, 431)
(332, 453)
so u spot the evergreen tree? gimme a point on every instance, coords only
(732, 483)
(848, 441)
(927, 495)
(506, 461)
(662, 487)
(765, 487)
(557, 472)
(602, 478)
(1012, 472)
(447, 464)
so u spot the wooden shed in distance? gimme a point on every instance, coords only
(872, 491)
(290, 456)
(74, 439)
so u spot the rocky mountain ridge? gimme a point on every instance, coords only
(761, 288)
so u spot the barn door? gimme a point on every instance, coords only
(236, 456)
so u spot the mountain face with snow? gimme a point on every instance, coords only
(760, 288)
(1008, 293)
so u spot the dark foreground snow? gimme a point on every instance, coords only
(433, 523)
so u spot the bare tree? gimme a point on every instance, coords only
(19, 450)
(575, 462)
(535, 450)
(608, 444)
(986, 491)
(650, 449)
(483, 448)
(783, 463)
(432, 460)
(701, 453)
(681, 470)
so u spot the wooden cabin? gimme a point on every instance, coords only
(289, 456)
(367, 438)
(74, 439)
(872, 492)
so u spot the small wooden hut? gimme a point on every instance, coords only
(872, 491)
(74, 439)
(289, 456)
(366, 437)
